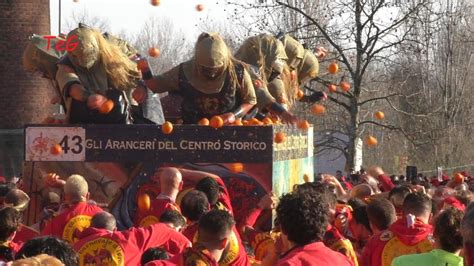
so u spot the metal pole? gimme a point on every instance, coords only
(59, 26)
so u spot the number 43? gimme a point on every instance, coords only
(75, 142)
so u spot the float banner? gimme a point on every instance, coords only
(186, 143)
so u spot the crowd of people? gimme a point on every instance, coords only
(368, 218)
(379, 220)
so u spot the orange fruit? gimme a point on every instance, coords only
(200, 7)
(255, 122)
(345, 86)
(245, 123)
(56, 149)
(154, 52)
(303, 125)
(279, 137)
(236, 167)
(204, 122)
(267, 121)
(257, 83)
(216, 122)
(299, 94)
(275, 120)
(293, 75)
(332, 88)
(333, 68)
(142, 64)
(106, 107)
(318, 109)
(379, 115)
(306, 178)
(238, 122)
(167, 127)
(155, 2)
(144, 202)
(458, 178)
(371, 141)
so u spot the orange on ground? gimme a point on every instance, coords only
(144, 202)
(318, 109)
(106, 107)
(200, 7)
(238, 122)
(155, 2)
(345, 86)
(236, 167)
(379, 115)
(303, 125)
(279, 137)
(56, 149)
(255, 122)
(167, 128)
(267, 121)
(371, 141)
(154, 52)
(245, 123)
(204, 122)
(333, 68)
(332, 88)
(216, 122)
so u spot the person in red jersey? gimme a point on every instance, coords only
(19, 200)
(303, 220)
(216, 244)
(101, 243)
(408, 235)
(76, 214)
(386, 183)
(213, 186)
(194, 206)
(397, 196)
(171, 182)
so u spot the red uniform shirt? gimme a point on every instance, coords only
(398, 240)
(236, 255)
(71, 221)
(313, 254)
(151, 216)
(24, 233)
(98, 246)
(224, 197)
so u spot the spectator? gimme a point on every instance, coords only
(408, 235)
(173, 219)
(381, 214)
(171, 182)
(8, 225)
(101, 242)
(19, 200)
(397, 196)
(467, 231)
(385, 181)
(448, 239)
(216, 243)
(42, 259)
(303, 220)
(52, 246)
(76, 215)
(152, 254)
(194, 206)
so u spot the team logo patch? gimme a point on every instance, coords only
(101, 251)
(386, 236)
(395, 248)
(75, 226)
(149, 220)
(231, 254)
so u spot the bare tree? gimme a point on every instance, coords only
(363, 37)
(83, 16)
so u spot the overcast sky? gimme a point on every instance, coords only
(130, 15)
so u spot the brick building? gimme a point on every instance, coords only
(24, 97)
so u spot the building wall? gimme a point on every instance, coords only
(24, 97)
